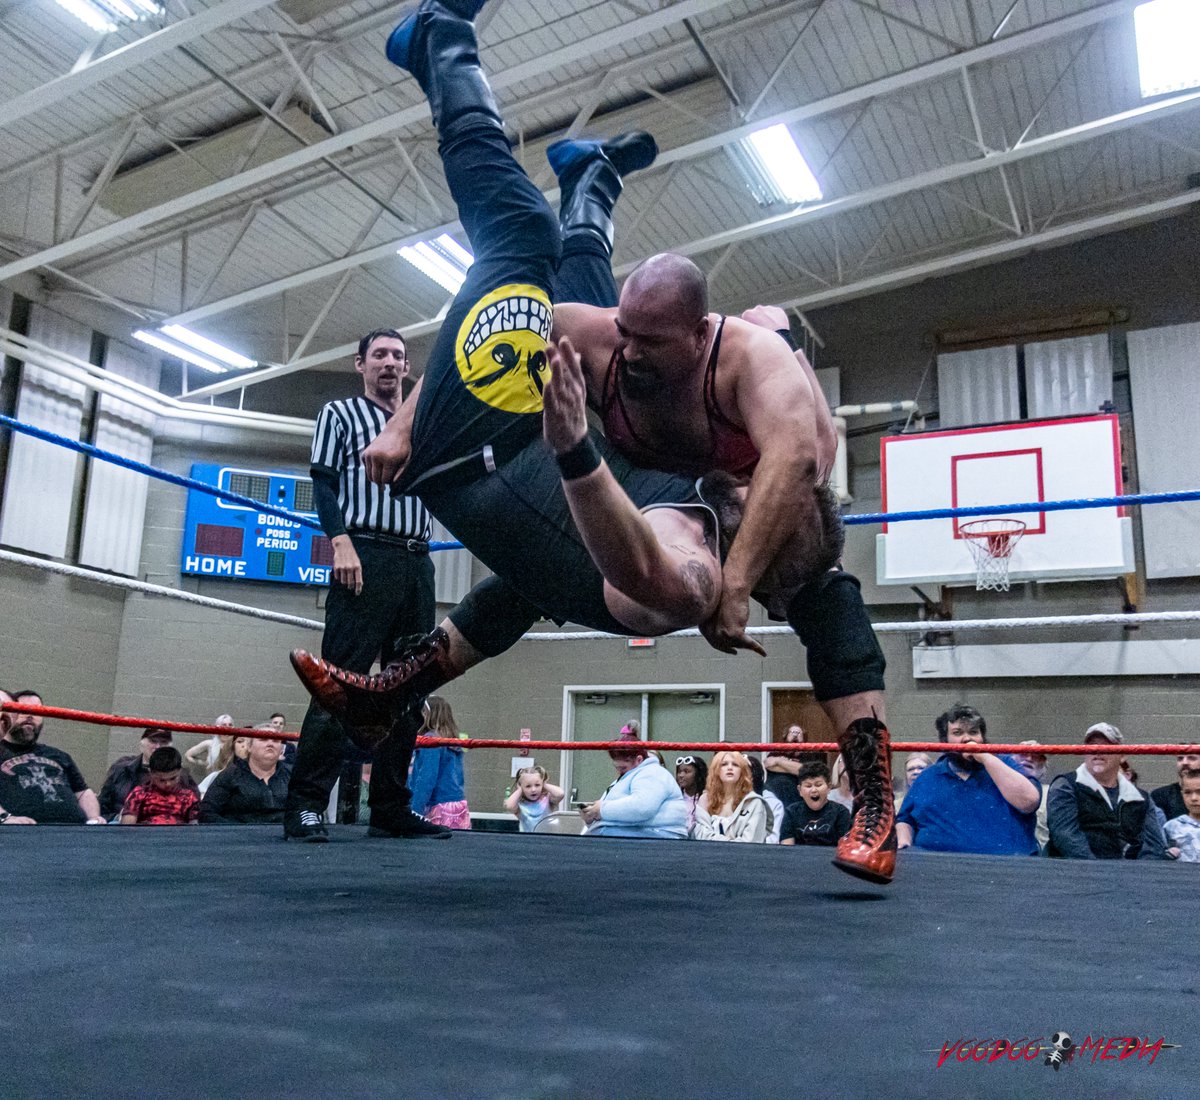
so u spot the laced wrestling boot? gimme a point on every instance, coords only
(590, 175)
(368, 705)
(868, 850)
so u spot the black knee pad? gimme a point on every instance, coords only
(842, 651)
(493, 616)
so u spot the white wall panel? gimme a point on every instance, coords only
(115, 510)
(452, 568)
(978, 387)
(1068, 377)
(1164, 375)
(40, 485)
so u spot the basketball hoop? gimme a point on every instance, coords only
(992, 542)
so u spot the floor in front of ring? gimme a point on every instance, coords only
(222, 962)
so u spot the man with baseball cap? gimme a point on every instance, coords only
(128, 772)
(1096, 813)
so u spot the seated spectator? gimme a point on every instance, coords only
(128, 772)
(1035, 764)
(784, 767)
(1169, 799)
(1183, 832)
(734, 811)
(759, 779)
(643, 801)
(39, 785)
(691, 773)
(815, 819)
(437, 774)
(232, 748)
(970, 802)
(1096, 813)
(207, 751)
(533, 798)
(162, 799)
(250, 791)
(839, 784)
(916, 763)
(275, 722)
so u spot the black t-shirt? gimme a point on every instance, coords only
(824, 826)
(1169, 799)
(40, 782)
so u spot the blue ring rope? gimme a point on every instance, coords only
(850, 520)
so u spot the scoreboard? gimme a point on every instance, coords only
(222, 539)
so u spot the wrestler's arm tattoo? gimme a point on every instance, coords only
(697, 577)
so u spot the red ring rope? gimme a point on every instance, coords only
(608, 746)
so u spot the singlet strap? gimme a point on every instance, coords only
(711, 406)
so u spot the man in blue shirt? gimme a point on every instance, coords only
(970, 802)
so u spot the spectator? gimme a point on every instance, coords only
(916, 763)
(783, 768)
(1169, 799)
(970, 802)
(691, 773)
(840, 785)
(734, 812)
(643, 801)
(128, 772)
(437, 774)
(815, 819)
(207, 751)
(39, 785)
(251, 791)
(162, 799)
(233, 748)
(759, 779)
(1184, 831)
(534, 797)
(1034, 764)
(1096, 813)
(276, 722)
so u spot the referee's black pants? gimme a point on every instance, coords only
(396, 602)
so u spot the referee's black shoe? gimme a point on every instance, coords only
(306, 825)
(406, 825)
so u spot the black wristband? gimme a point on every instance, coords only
(579, 461)
(786, 333)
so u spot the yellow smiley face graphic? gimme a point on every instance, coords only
(502, 347)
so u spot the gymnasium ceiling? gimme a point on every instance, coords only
(141, 170)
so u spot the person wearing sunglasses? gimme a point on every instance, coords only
(691, 773)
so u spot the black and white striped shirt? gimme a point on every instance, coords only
(344, 429)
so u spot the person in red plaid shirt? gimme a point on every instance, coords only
(162, 799)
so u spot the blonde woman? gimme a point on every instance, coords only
(232, 748)
(734, 812)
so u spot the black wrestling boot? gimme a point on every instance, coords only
(406, 825)
(590, 175)
(437, 45)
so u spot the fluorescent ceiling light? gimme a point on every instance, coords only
(179, 351)
(774, 167)
(106, 16)
(1168, 45)
(443, 260)
(208, 347)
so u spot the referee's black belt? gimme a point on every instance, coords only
(413, 546)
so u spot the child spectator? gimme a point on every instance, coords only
(735, 812)
(815, 819)
(162, 799)
(1183, 832)
(437, 774)
(839, 785)
(691, 773)
(535, 796)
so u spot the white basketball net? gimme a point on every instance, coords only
(992, 542)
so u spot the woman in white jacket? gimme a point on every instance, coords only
(734, 812)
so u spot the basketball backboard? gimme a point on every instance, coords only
(1046, 460)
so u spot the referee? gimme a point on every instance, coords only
(381, 593)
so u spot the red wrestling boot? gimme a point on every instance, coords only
(367, 705)
(868, 850)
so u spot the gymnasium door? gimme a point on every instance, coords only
(789, 706)
(690, 714)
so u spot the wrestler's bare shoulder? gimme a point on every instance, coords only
(584, 324)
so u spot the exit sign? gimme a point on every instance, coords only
(640, 643)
